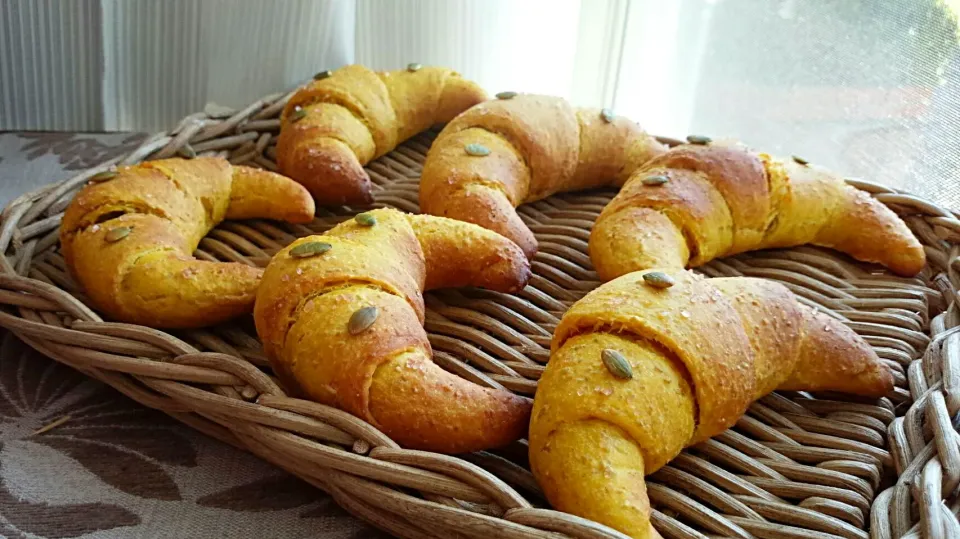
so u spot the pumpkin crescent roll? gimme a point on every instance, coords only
(521, 148)
(346, 118)
(695, 203)
(640, 369)
(128, 241)
(341, 319)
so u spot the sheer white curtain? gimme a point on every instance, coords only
(140, 65)
(502, 44)
(166, 59)
(868, 87)
(143, 64)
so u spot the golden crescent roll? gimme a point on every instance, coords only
(346, 118)
(341, 319)
(503, 153)
(698, 202)
(640, 369)
(128, 241)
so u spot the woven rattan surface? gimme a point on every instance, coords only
(797, 465)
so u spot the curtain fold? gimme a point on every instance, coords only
(50, 65)
(167, 59)
(141, 65)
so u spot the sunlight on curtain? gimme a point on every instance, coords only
(659, 67)
(526, 46)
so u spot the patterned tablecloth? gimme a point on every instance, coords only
(77, 459)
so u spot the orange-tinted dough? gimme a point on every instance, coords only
(385, 374)
(723, 199)
(539, 145)
(700, 351)
(354, 115)
(149, 276)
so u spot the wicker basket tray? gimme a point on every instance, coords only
(797, 465)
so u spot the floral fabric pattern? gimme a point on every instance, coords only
(111, 468)
(76, 151)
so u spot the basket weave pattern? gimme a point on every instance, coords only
(797, 465)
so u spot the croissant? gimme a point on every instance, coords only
(128, 241)
(521, 148)
(346, 118)
(341, 319)
(648, 364)
(702, 201)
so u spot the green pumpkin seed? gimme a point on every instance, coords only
(658, 279)
(104, 176)
(699, 139)
(311, 248)
(800, 161)
(607, 115)
(414, 67)
(773, 224)
(361, 320)
(117, 234)
(297, 115)
(365, 219)
(658, 179)
(616, 364)
(326, 73)
(477, 150)
(506, 95)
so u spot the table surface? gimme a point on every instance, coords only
(110, 467)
